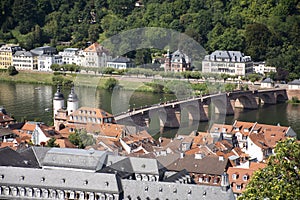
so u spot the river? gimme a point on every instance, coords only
(32, 102)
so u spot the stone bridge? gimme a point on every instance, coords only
(171, 113)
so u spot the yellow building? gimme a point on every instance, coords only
(6, 53)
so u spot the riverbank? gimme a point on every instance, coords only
(89, 80)
(131, 83)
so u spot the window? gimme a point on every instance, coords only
(234, 176)
(238, 187)
(245, 177)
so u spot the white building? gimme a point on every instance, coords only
(267, 83)
(120, 63)
(294, 85)
(70, 56)
(261, 68)
(228, 62)
(46, 57)
(45, 62)
(94, 56)
(25, 60)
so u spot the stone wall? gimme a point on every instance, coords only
(293, 93)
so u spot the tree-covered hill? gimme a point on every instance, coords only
(265, 29)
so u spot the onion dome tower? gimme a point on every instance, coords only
(72, 103)
(58, 101)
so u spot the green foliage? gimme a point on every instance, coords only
(281, 178)
(81, 139)
(11, 70)
(51, 143)
(200, 88)
(55, 67)
(295, 100)
(111, 83)
(254, 77)
(229, 87)
(179, 88)
(61, 80)
(156, 87)
(108, 70)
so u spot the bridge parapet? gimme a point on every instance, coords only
(170, 113)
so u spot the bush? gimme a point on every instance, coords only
(295, 100)
(11, 70)
(111, 83)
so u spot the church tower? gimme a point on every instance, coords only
(58, 101)
(72, 103)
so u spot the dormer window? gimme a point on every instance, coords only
(245, 177)
(235, 176)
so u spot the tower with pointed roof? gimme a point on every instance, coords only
(58, 101)
(72, 102)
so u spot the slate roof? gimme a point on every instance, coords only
(44, 50)
(74, 158)
(233, 56)
(294, 82)
(121, 59)
(179, 56)
(132, 165)
(9, 157)
(29, 154)
(25, 53)
(267, 80)
(61, 179)
(166, 190)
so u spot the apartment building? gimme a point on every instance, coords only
(6, 55)
(227, 62)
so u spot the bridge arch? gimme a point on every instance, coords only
(246, 102)
(192, 111)
(220, 106)
(267, 98)
(159, 114)
(280, 98)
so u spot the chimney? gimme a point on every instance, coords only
(181, 155)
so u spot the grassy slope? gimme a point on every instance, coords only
(83, 79)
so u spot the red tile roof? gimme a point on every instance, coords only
(239, 177)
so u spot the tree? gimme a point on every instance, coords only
(110, 83)
(257, 41)
(281, 178)
(55, 67)
(81, 139)
(51, 143)
(11, 70)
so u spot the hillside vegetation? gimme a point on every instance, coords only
(264, 29)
